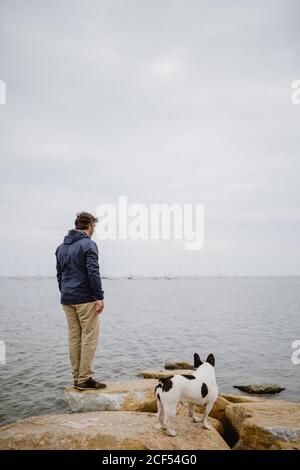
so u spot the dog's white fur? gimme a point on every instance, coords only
(187, 390)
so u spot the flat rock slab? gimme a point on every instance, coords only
(106, 430)
(158, 374)
(260, 388)
(129, 395)
(172, 363)
(266, 424)
(241, 398)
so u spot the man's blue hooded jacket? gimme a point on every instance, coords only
(77, 269)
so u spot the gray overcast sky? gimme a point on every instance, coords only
(162, 101)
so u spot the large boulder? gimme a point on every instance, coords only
(172, 363)
(266, 424)
(106, 430)
(219, 409)
(129, 395)
(158, 374)
(183, 410)
(260, 388)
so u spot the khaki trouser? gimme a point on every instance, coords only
(83, 327)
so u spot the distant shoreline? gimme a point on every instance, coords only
(169, 278)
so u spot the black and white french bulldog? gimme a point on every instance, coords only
(199, 388)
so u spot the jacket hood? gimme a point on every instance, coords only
(73, 236)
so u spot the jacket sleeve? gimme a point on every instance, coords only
(92, 266)
(58, 271)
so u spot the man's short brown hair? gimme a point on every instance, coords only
(84, 220)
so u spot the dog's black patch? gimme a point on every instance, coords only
(204, 390)
(211, 359)
(167, 383)
(188, 376)
(158, 386)
(197, 361)
(158, 397)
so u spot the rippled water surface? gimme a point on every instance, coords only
(249, 324)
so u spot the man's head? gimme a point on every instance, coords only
(85, 221)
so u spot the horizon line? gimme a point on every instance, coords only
(154, 277)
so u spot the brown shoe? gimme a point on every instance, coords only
(90, 384)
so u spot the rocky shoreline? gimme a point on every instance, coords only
(123, 417)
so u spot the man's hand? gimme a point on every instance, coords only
(99, 306)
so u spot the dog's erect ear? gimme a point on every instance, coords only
(211, 359)
(197, 361)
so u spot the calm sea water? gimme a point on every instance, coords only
(249, 324)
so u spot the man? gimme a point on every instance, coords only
(81, 297)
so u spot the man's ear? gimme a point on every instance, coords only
(211, 359)
(197, 361)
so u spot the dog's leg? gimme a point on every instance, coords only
(206, 411)
(192, 414)
(160, 415)
(171, 413)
